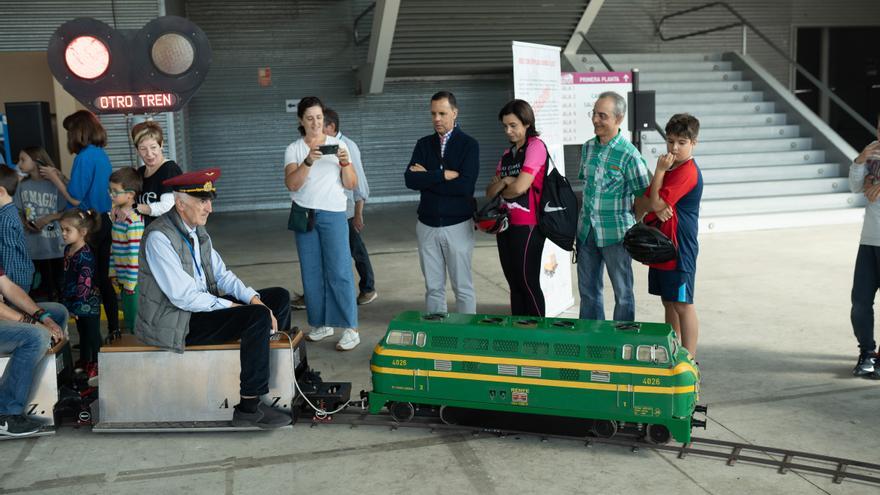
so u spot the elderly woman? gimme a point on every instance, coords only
(316, 180)
(155, 199)
(519, 179)
(87, 190)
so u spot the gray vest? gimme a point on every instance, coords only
(159, 322)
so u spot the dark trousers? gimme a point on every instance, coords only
(100, 243)
(361, 259)
(519, 248)
(866, 281)
(251, 323)
(89, 329)
(51, 277)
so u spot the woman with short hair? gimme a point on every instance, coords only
(316, 181)
(155, 199)
(519, 179)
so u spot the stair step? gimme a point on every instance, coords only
(769, 158)
(749, 206)
(708, 135)
(701, 109)
(775, 188)
(720, 147)
(651, 57)
(791, 172)
(803, 218)
(709, 76)
(757, 119)
(654, 66)
(670, 98)
(703, 86)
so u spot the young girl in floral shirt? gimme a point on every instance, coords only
(80, 292)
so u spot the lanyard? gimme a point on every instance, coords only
(192, 251)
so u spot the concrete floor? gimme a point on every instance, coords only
(776, 350)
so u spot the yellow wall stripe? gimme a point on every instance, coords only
(608, 387)
(636, 370)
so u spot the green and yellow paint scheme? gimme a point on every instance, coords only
(604, 370)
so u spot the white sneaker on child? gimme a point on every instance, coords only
(319, 333)
(349, 340)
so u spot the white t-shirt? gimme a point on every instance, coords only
(323, 187)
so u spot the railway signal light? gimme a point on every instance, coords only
(157, 68)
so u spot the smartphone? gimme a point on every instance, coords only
(328, 149)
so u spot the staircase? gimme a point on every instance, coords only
(767, 161)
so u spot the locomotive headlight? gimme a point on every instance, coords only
(173, 54)
(87, 57)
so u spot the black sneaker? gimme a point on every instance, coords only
(865, 366)
(264, 417)
(18, 426)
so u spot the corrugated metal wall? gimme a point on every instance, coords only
(625, 26)
(473, 37)
(244, 129)
(28, 25)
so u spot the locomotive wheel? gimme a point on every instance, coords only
(659, 434)
(402, 411)
(604, 428)
(446, 416)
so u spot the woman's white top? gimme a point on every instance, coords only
(323, 187)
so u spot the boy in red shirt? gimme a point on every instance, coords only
(673, 198)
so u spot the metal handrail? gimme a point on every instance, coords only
(608, 66)
(746, 24)
(357, 39)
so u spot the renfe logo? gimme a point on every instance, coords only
(144, 101)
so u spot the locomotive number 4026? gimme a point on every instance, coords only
(399, 362)
(651, 381)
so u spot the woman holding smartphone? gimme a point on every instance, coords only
(317, 168)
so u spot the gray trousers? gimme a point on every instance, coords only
(447, 248)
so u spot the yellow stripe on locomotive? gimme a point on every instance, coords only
(610, 371)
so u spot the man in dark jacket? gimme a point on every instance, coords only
(444, 168)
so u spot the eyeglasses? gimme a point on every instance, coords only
(601, 115)
(113, 193)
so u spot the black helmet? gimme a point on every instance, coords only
(492, 218)
(648, 245)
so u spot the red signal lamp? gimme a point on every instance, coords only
(87, 57)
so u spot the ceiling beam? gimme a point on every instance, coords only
(371, 76)
(583, 26)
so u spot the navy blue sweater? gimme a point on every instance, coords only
(445, 202)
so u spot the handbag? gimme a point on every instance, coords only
(301, 219)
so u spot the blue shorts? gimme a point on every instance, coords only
(671, 285)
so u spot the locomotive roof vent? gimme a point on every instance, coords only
(628, 326)
(527, 322)
(434, 316)
(492, 320)
(563, 324)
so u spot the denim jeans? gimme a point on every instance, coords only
(590, 260)
(361, 259)
(327, 278)
(27, 344)
(866, 281)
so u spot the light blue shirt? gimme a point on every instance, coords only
(361, 191)
(185, 291)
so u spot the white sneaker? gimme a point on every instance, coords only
(319, 333)
(350, 339)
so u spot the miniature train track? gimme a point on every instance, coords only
(783, 460)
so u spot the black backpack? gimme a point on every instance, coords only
(558, 209)
(646, 244)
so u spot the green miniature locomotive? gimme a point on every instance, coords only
(614, 373)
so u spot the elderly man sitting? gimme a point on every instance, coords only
(25, 332)
(188, 297)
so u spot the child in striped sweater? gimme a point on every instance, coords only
(128, 228)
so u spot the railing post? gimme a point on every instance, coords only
(636, 129)
(745, 31)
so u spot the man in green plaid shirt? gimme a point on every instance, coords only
(614, 173)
